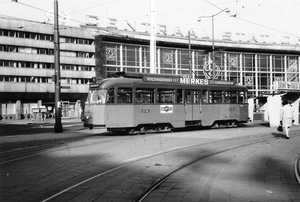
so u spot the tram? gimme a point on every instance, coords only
(137, 103)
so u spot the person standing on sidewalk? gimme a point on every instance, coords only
(286, 117)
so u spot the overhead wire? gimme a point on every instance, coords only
(93, 7)
(235, 16)
(248, 21)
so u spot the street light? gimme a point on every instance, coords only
(213, 35)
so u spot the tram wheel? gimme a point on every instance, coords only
(131, 131)
(142, 130)
(91, 126)
(216, 125)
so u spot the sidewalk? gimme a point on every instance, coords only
(26, 129)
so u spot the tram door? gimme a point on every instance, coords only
(192, 104)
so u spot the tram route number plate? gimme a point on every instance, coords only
(144, 111)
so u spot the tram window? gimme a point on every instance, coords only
(101, 95)
(179, 96)
(196, 97)
(230, 97)
(96, 96)
(124, 95)
(165, 95)
(216, 96)
(144, 95)
(204, 96)
(188, 97)
(111, 95)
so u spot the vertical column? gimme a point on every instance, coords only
(271, 73)
(193, 64)
(121, 58)
(285, 68)
(18, 110)
(153, 38)
(256, 74)
(176, 62)
(298, 68)
(241, 69)
(140, 59)
(58, 125)
(158, 61)
(225, 66)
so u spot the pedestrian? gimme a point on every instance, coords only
(286, 117)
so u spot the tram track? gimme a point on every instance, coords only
(93, 176)
(130, 162)
(37, 150)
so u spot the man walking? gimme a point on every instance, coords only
(286, 117)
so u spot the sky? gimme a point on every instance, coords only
(279, 18)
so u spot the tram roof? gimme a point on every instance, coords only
(138, 82)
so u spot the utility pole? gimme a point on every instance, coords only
(58, 126)
(190, 57)
(213, 38)
(153, 38)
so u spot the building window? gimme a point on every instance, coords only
(167, 58)
(233, 62)
(264, 81)
(183, 59)
(112, 55)
(249, 79)
(278, 63)
(131, 56)
(248, 62)
(145, 57)
(263, 63)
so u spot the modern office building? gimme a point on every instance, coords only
(27, 67)
(262, 64)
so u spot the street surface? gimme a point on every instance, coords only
(250, 163)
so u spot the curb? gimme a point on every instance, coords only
(297, 168)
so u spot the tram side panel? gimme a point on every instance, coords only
(160, 114)
(119, 116)
(130, 116)
(224, 112)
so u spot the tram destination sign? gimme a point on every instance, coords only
(186, 80)
(94, 86)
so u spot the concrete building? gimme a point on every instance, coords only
(267, 67)
(27, 66)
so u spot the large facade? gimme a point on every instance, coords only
(267, 69)
(259, 66)
(27, 62)
(27, 66)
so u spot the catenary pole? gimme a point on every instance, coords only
(153, 38)
(58, 126)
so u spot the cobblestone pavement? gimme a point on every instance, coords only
(260, 172)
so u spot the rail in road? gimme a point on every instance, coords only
(126, 168)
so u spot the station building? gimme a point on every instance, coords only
(266, 67)
(270, 70)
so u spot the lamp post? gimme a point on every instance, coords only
(213, 36)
